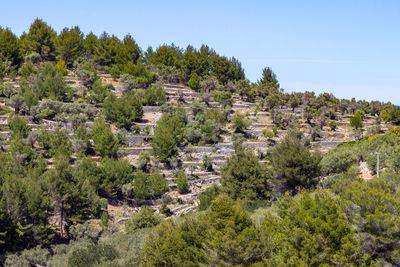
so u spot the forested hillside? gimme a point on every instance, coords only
(112, 155)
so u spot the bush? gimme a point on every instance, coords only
(123, 111)
(167, 135)
(105, 143)
(61, 67)
(84, 230)
(244, 177)
(99, 92)
(224, 97)
(207, 197)
(293, 165)
(50, 83)
(337, 160)
(155, 95)
(268, 133)
(148, 186)
(239, 122)
(113, 175)
(56, 142)
(207, 163)
(194, 81)
(145, 218)
(18, 126)
(182, 182)
(356, 121)
(129, 81)
(87, 74)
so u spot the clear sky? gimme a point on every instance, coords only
(349, 48)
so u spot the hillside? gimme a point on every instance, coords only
(115, 156)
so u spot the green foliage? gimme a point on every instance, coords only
(207, 197)
(243, 177)
(9, 48)
(332, 125)
(224, 97)
(34, 256)
(338, 160)
(244, 89)
(113, 174)
(29, 206)
(144, 161)
(207, 163)
(284, 120)
(16, 102)
(219, 231)
(155, 95)
(385, 115)
(194, 81)
(41, 39)
(18, 126)
(21, 152)
(167, 136)
(106, 49)
(9, 235)
(124, 110)
(56, 142)
(373, 207)
(147, 186)
(84, 230)
(268, 82)
(129, 51)
(91, 255)
(239, 122)
(182, 183)
(104, 220)
(268, 133)
(356, 121)
(310, 230)
(81, 140)
(70, 45)
(49, 83)
(99, 92)
(293, 165)
(105, 143)
(87, 74)
(145, 218)
(61, 67)
(294, 100)
(129, 81)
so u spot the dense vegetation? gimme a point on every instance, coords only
(65, 161)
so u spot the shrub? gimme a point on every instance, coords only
(332, 125)
(293, 165)
(123, 111)
(105, 143)
(207, 197)
(194, 81)
(87, 74)
(356, 121)
(337, 160)
(145, 218)
(182, 182)
(18, 126)
(244, 177)
(155, 95)
(239, 122)
(167, 135)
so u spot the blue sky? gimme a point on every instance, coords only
(348, 48)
